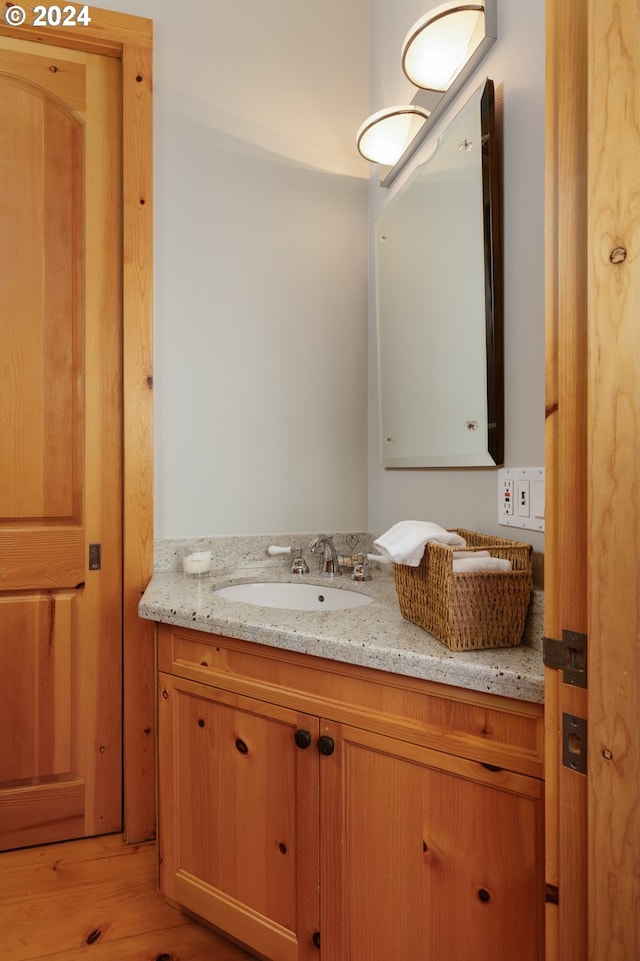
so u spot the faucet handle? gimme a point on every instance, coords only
(298, 564)
(361, 570)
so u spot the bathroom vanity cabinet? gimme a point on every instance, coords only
(312, 809)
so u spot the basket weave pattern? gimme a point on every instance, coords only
(471, 610)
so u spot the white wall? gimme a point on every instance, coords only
(260, 317)
(468, 498)
(261, 266)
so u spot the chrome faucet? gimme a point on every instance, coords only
(329, 565)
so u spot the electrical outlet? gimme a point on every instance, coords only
(506, 497)
(521, 497)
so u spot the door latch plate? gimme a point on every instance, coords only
(95, 557)
(569, 656)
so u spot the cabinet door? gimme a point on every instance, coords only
(239, 816)
(427, 856)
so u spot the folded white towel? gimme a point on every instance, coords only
(459, 554)
(404, 543)
(465, 564)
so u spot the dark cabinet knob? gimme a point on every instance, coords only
(303, 739)
(326, 745)
(316, 939)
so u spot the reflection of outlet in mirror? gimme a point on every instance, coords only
(521, 497)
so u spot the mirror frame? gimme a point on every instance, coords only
(493, 255)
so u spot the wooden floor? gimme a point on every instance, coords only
(96, 899)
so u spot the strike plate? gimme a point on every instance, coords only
(574, 743)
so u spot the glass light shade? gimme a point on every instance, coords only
(385, 135)
(439, 44)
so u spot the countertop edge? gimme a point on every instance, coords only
(376, 636)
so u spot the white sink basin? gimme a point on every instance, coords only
(294, 597)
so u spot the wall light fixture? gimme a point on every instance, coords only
(439, 54)
(385, 135)
(440, 43)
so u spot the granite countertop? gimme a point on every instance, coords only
(374, 636)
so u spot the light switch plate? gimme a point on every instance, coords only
(521, 497)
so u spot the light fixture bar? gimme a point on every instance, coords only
(425, 98)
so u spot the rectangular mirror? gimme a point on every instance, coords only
(439, 302)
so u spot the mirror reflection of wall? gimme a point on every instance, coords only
(439, 303)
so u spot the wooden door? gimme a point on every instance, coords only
(425, 855)
(60, 444)
(238, 800)
(592, 567)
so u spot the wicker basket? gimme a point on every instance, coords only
(472, 610)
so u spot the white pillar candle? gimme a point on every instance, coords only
(196, 562)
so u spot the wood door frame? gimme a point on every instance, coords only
(130, 39)
(566, 453)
